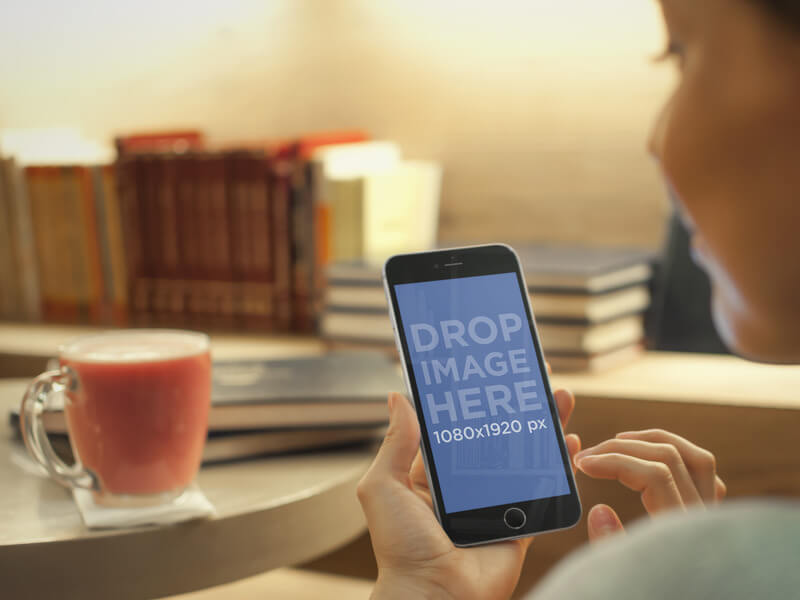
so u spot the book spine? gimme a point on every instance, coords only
(259, 286)
(89, 240)
(74, 289)
(9, 282)
(281, 235)
(188, 241)
(303, 259)
(200, 305)
(117, 279)
(127, 179)
(155, 269)
(28, 295)
(34, 185)
(222, 290)
(197, 216)
(59, 302)
(170, 287)
(236, 193)
(101, 218)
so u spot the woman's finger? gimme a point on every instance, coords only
(602, 522)
(720, 489)
(653, 480)
(700, 462)
(565, 403)
(573, 447)
(417, 474)
(653, 452)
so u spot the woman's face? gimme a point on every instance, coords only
(728, 141)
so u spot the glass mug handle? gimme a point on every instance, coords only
(34, 403)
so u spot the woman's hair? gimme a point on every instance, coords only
(786, 11)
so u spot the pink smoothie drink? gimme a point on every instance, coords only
(138, 410)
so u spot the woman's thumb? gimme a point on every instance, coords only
(402, 439)
(603, 522)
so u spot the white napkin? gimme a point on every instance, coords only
(191, 504)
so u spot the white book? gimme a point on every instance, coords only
(401, 210)
(338, 173)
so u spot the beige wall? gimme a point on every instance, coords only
(539, 109)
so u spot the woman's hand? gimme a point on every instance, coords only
(415, 557)
(669, 471)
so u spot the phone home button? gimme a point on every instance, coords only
(515, 518)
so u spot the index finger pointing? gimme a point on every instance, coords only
(699, 461)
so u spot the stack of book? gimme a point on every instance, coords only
(175, 234)
(589, 304)
(171, 235)
(267, 407)
(228, 238)
(19, 281)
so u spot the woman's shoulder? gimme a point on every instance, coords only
(739, 550)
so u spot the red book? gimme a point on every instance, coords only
(218, 284)
(147, 192)
(238, 250)
(160, 141)
(127, 170)
(260, 287)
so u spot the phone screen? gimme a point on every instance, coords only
(485, 407)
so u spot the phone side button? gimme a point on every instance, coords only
(515, 518)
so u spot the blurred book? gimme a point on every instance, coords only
(176, 234)
(230, 445)
(345, 389)
(564, 338)
(19, 280)
(177, 141)
(378, 203)
(601, 361)
(592, 308)
(583, 269)
(589, 304)
(54, 146)
(310, 225)
(226, 238)
(337, 174)
(224, 446)
(401, 210)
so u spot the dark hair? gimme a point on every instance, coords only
(786, 11)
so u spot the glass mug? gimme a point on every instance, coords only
(136, 404)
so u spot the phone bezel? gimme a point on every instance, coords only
(477, 526)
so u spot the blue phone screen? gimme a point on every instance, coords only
(483, 398)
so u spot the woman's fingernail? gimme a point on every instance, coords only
(581, 462)
(390, 402)
(603, 519)
(624, 434)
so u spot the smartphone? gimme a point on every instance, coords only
(494, 451)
